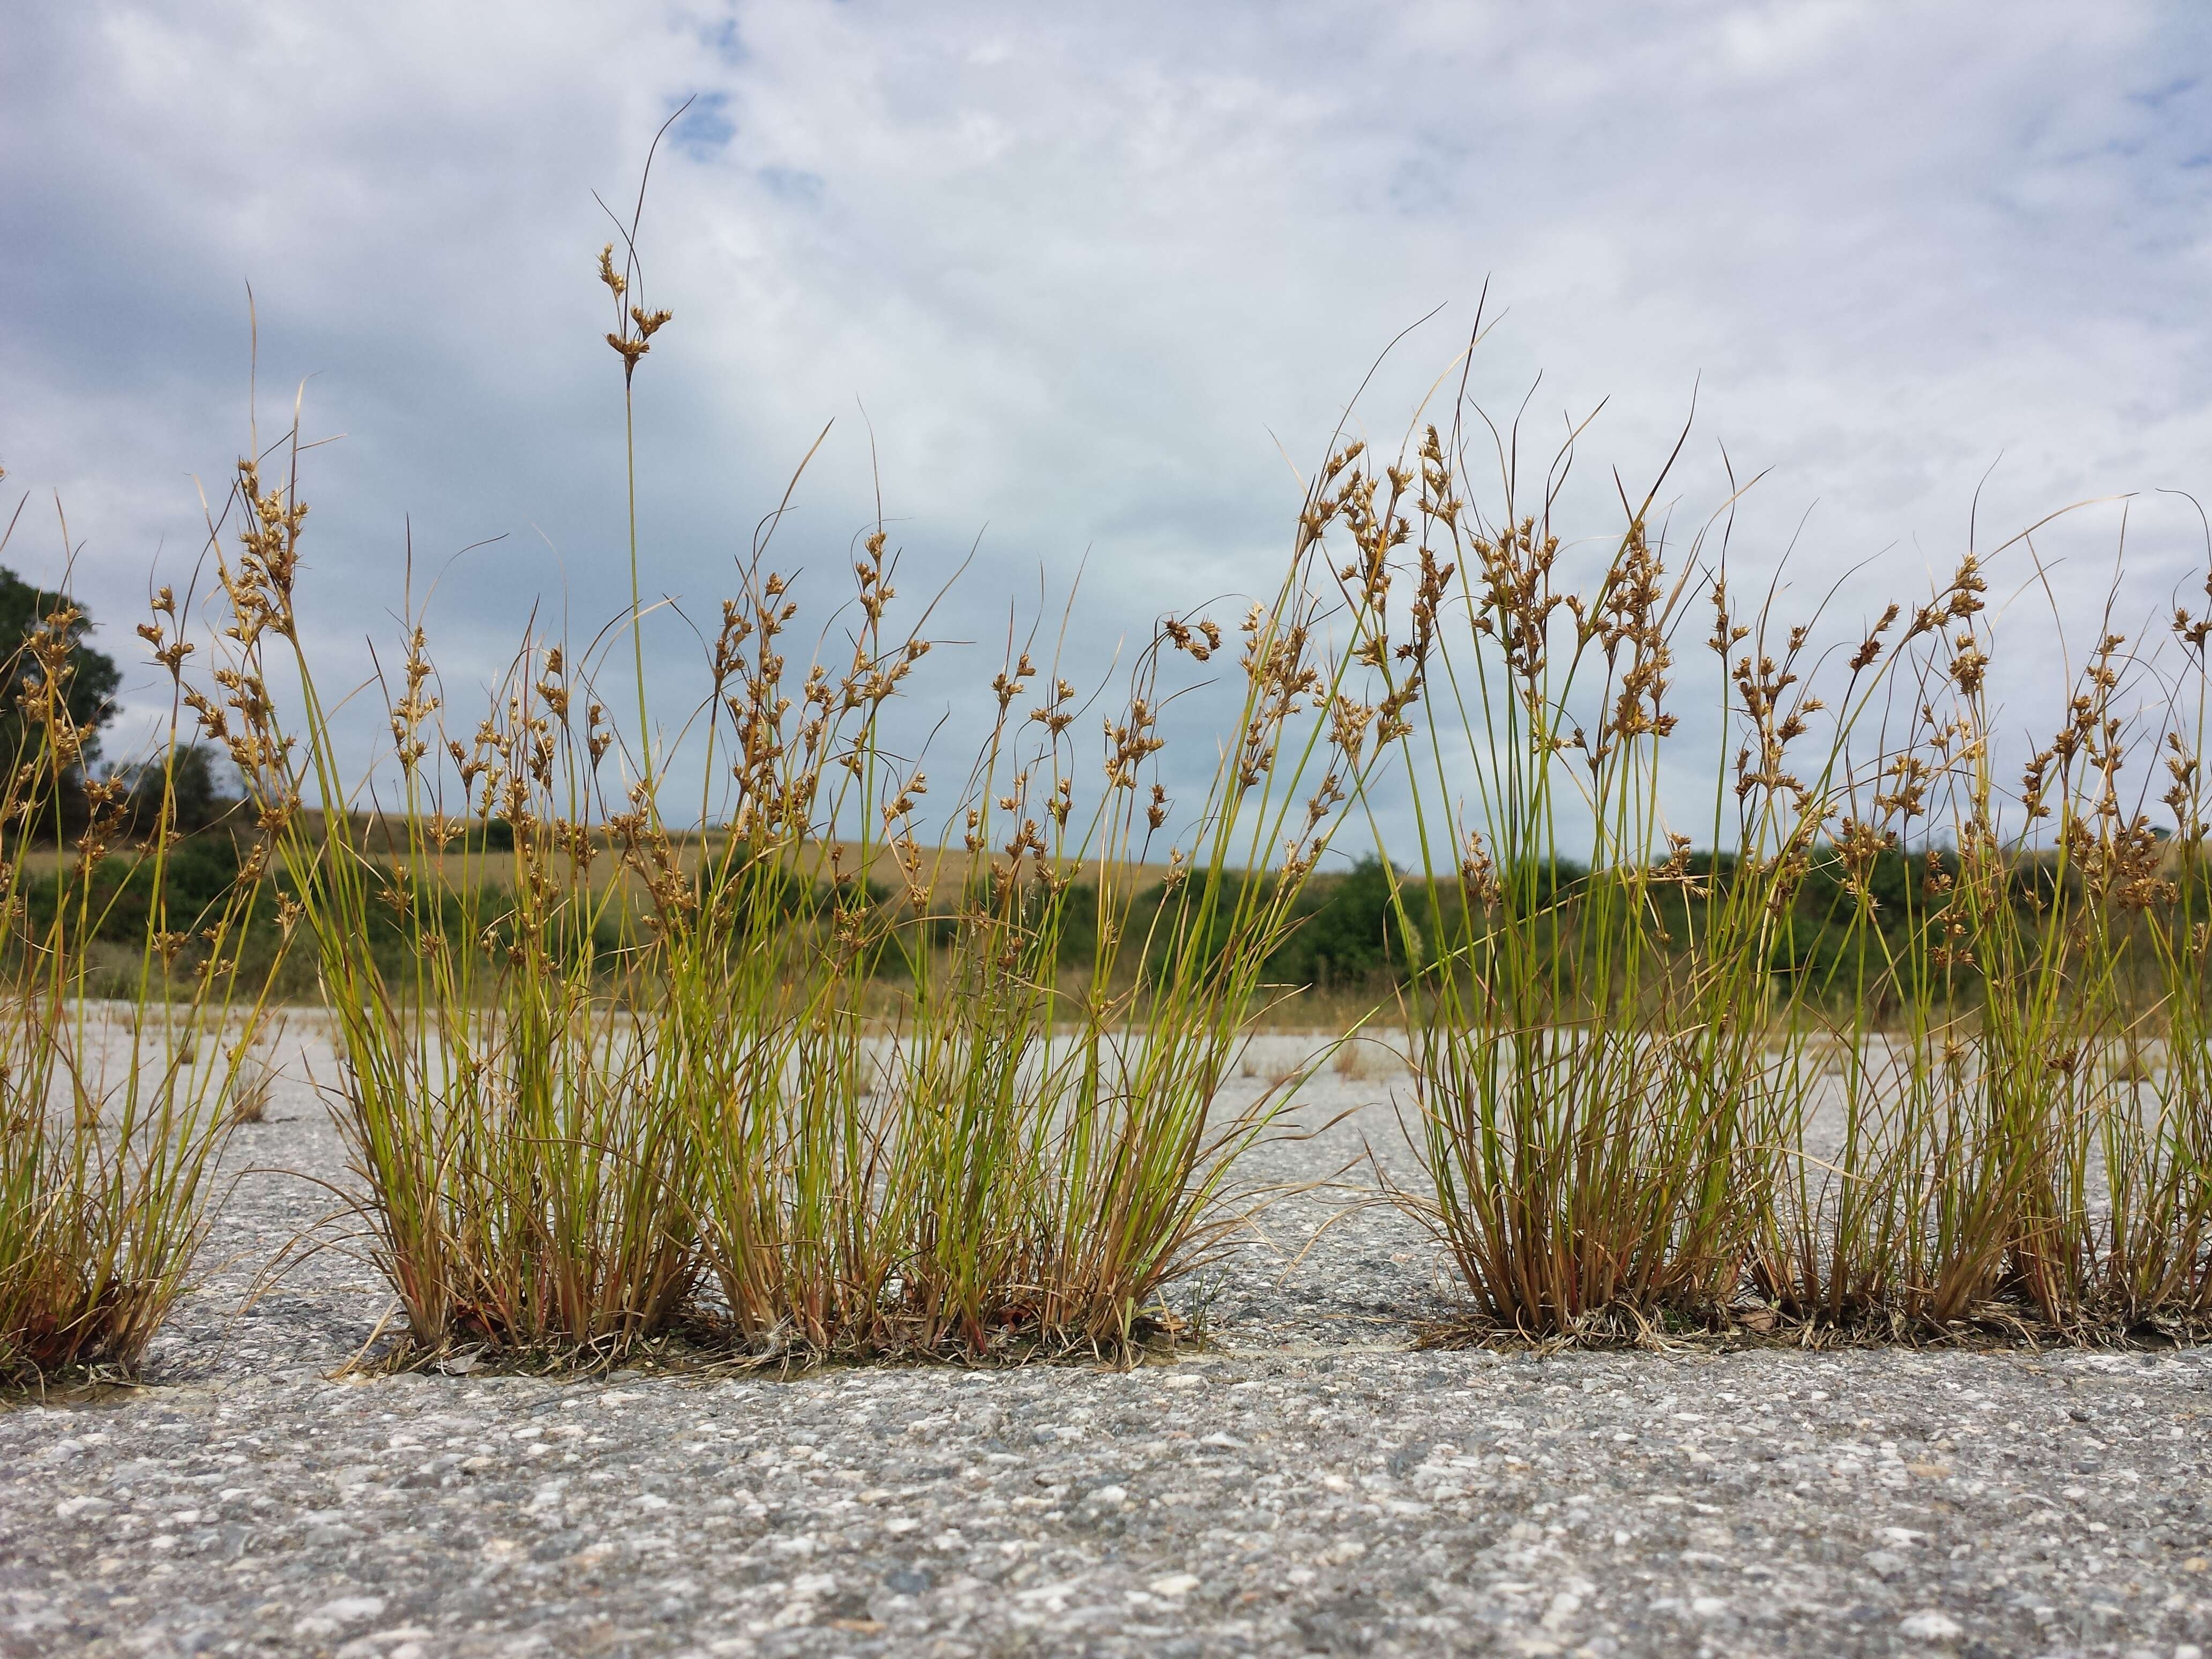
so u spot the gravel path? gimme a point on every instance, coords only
(1309, 1485)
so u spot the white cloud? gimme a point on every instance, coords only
(1085, 269)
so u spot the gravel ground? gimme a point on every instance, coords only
(1310, 1485)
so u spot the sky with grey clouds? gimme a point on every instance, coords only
(1073, 282)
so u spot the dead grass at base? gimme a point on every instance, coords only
(707, 1347)
(84, 1387)
(1992, 1327)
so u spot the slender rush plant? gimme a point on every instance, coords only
(1016, 1163)
(641, 1061)
(112, 1120)
(1655, 1084)
(1591, 1094)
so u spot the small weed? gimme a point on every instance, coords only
(255, 1071)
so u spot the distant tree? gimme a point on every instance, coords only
(88, 694)
(1348, 931)
(203, 785)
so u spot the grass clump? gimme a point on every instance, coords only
(2031, 1143)
(110, 1129)
(1589, 1095)
(741, 1089)
(512, 1120)
(1901, 1048)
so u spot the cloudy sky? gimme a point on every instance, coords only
(1083, 282)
